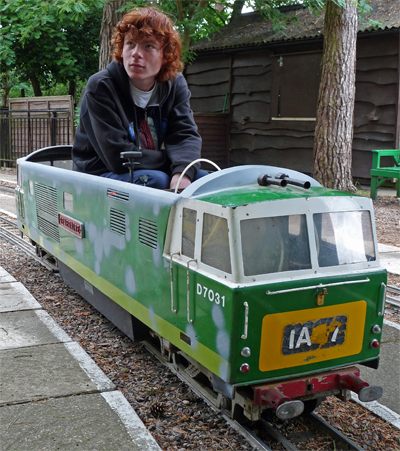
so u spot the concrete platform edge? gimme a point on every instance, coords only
(133, 424)
(53, 326)
(94, 373)
(391, 324)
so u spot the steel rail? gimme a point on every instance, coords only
(13, 237)
(8, 186)
(393, 300)
(332, 432)
(7, 189)
(245, 430)
(268, 427)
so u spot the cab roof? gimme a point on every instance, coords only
(238, 186)
(235, 197)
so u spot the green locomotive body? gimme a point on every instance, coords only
(272, 293)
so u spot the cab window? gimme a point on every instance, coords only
(344, 238)
(274, 244)
(215, 243)
(188, 232)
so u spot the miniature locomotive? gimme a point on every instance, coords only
(261, 284)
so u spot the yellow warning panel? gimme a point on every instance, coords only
(314, 335)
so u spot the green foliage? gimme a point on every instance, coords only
(198, 19)
(56, 89)
(56, 41)
(52, 41)
(77, 114)
(17, 85)
(194, 19)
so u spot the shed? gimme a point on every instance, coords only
(267, 84)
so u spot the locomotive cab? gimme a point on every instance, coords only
(244, 234)
(280, 282)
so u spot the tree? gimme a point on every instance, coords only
(334, 127)
(5, 88)
(112, 14)
(48, 42)
(195, 19)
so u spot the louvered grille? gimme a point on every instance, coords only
(118, 195)
(117, 221)
(46, 199)
(46, 210)
(49, 229)
(148, 233)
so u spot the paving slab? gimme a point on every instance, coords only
(389, 257)
(101, 422)
(14, 296)
(52, 394)
(5, 277)
(391, 261)
(29, 328)
(388, 373)
(41, 372)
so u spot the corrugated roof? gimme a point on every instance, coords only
(251, 29)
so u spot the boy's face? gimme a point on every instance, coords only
(142, 60)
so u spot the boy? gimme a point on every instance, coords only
(140, 102)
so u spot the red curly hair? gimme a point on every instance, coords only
(149, 21)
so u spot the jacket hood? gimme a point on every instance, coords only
(118, 73)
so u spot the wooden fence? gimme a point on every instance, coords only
(32, 123)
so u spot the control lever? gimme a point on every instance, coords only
(130, 155)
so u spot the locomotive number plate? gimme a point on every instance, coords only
(315, 335)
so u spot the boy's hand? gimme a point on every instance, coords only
(185, 182)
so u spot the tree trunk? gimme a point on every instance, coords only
(186, 13)
(5, 88)
(37, 91)
(237, 9)
(110, 19)
(334, 127)
(72, 89)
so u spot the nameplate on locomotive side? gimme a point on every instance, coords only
(70, 224)
(313, 335)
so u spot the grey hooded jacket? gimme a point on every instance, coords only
(110, 124)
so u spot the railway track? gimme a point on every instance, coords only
(10, 232)
(312, 421)
(262, 433)
(7, 189)
(393, 296)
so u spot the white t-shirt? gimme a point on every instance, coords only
(141, 98)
